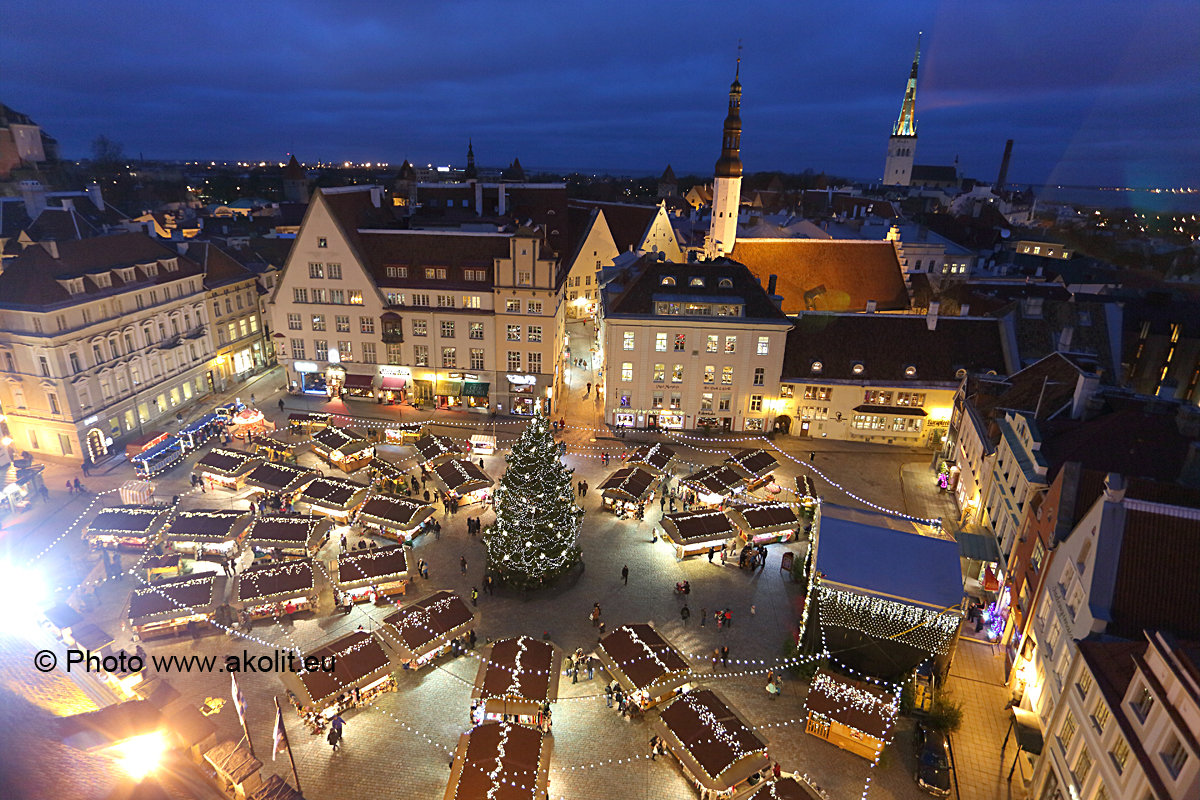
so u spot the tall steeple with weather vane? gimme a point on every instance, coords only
(902, 144)
(727, 182)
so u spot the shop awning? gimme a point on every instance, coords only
(472, 389)
(899, 411)
(449, 389)
(354, 381)
(978, 547)
(1029, 730)
(392, 382)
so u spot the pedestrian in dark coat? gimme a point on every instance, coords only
(625, 574)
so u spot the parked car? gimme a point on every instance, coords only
(933, 761)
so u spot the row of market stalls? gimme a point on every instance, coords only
(695, 533)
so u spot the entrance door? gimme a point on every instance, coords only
(804, 426)
(96, 448)
(727, 424)
(651, 421)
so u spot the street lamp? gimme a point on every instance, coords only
(141, 755)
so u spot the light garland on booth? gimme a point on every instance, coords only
(922, 628)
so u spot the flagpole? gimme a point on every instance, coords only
(239, 701)
(288, 742)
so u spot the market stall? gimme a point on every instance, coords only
(275, 788)
(134, 527)
(500, 761)
(163, 566)
(21, 487)
(394, 517)
(247, 423)
(291, 534)
(658, 457)
(174, 605)
(752, 465)
(358, 386)
(344, 448)
(202, 532)
(761, 523)
(713, 485)
(853, 715)
(136, 493)
(464, 481)
(423, 630)
(627, 489)
(482, 444)
(308, 421)
(643, 663)
(192, 731)
(199, 431)
(225, 468)
(282, 481)
(516, 680)
(789, 787)
(436, 449)
(361, 670)
(336, 498)
(694, 533)
(276, 446)
(61, 618)
(717, 750)
(238, 772)
(88, 637)
(277, 590)
(158, 458)
(371, 574)
(390, 477)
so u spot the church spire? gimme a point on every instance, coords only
(729, 165)
(470, 171)
(906, 123)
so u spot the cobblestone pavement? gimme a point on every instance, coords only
(399, 746)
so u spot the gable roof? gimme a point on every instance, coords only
(1158, 540)
(639, 296)
(628, 223)
(825, 274)
(220, 268)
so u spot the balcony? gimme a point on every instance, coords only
(393, 336)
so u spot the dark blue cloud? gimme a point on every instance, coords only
(1092, 92)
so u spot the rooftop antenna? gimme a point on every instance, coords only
(738, 70)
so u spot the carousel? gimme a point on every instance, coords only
(247, 423)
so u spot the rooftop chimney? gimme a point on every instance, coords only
(50, 246)
(931, 316)
(1114, 488)
(771, 284)
(97, 197)
(1064, 338)
(1002, 178)
(34, 195)
(871, 306)
(964, 310)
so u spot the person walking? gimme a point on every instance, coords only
(281, 405)
(684, 613)
(703, 616)
(585, 487)
(334, 738)
(608, 695)
(653, 747)
(724, 655)
(625, 574)
(591, 666)
(87, 470)
(474, 596)
(462, 564)
(595, 615)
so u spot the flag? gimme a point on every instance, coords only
(280, 733)
(239, 699)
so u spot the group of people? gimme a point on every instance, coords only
(581, 488)
(615, 697)
(577, 661)
(753, 556)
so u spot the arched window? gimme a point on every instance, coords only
(726, 283)
(668, 281)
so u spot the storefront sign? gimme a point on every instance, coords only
(522, 380)
(91, 420)
(305, 366)
(334, 357)
(395, 372)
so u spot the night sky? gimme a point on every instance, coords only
(1094, 93)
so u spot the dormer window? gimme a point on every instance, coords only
(726, 283)
(103, 280)
(667, 281)
(910, 371)
(817, 366)
(127, 274)
(170, 264)
(151, 269)
(857, 368)
(72, 285)
(696, 282)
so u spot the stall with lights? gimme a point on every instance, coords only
(174, 605)
(359, 386)
(645, 665)
(199, 431)
(465, 481)
(162, 566)
(716, 484)
(657, 457)
(388, 476)
(362, 670)
(283, 481)
(436, 449)
(694, 533)
(789, 787)
(207, 532)
(225, 468)
(344, 448)
(853, 715)
(336, 498)
(888, 590)
(500, 761)
(761, 523)
(397, 518)
(627, 489)
(158, 458)
(371, 574)
(516, 682)
(715, 748)
(276, 446)
(754, 466)
(289, 535)
(277, 590)
(421, 631)
(134, 527)
(308, 422)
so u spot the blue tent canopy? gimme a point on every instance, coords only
(170, 443)
(194, 427)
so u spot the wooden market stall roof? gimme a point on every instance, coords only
(174, 597)
(395, 512)
(359, 658)
(424, 625)
(336, 493)
(337, 438)
(283, 580)
(462, 476)
(500, 761)
(433, 447)
(275, 788)
(309, 418)
(227, 463)
(859, 705)
(630, 484)
(718, 479)
(644, 658)
(711, 740)
(378, 565)
(288, 531)
(387, 469)
(752, 463)
(790, 787)
(520, 668)
(692, 527)
(280, 478)
(207, 525)
(655, 456)
(764, 517)
(132, 520)
(230, 758)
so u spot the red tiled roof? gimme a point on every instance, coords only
(1155, 545)
(827, 274)
(220, 268)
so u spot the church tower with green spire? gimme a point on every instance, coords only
(902, 144)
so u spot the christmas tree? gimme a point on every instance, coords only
(536, 533)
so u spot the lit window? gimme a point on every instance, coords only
(447, 329)
(476, 331)
(316, 270)
(420, 327)
(710, 374)
(627, 340)
(660, 373)
(514, 333)
(680, 342)
(668, 280)
(533, 333)
(727, 376)
(677, 374)
(711, 345)
(730, 344)
(764, 345)
(660, 342)
(512, 306)
(627, 371)
(696, 282)
(533, 307)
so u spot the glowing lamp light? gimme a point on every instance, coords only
(23, 594)
(141, 755)
(6, 441)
